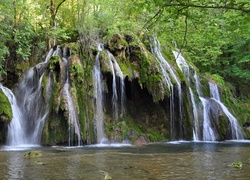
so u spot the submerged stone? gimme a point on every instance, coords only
(32, 154)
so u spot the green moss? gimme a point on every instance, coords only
(186, 114)
(154, 136)
(54, 63)
(74, 48)
(223, 127)
(32, 154)
(5, 108)
(117, 42)
(237, 164)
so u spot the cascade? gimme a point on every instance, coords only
(235, 127)
(73, 122)
(122, 85)
(16, 132)
(118, 109)
(168, 73)
(115, 96)
(214, 91)
(184, 67)
(116, 71)
(198, 84)
(28, 106)
(182, 64)
(196, 128)
(208, 132)
(98, 93)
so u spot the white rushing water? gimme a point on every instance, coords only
(98, 93)
(236, 130)
(117, 84)
(208, 131)
(118, 90)
(168, 73)
(30, 108)
(184, 67)
(114, 90)
(16, 133)
(73, 121)
(195, 116)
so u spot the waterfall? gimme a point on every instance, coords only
(122, 86)
(214, 91)
(16, 132)
(168, 73)
(116, 71)
(73, 122)
(114, 90)
(235, 127)
(29, 110)
(198, 84)
(195, 115)
(208, 131)
(184, 67)
(117, 108)
(182, 64)
(98, 93)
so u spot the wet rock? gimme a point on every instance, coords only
(246, 124)
(33, 154)
(141, 141)
(39, 163)
(106, 175)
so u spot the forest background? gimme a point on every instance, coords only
(213, 35)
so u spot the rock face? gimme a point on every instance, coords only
(5, 116)
(138, 105)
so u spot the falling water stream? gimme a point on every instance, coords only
(168, 73)
(235, 127)
(29, 108)
(184, 67)
(98, 93)
(208, 131)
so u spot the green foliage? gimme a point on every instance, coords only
(24, 39)
(5, 108)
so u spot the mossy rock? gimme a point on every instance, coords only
(5, 108)
(74, 48)
(32, 154)
(54, 63)
(116, 43)
(76, 70)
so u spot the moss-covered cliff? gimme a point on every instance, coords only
(5, 115)
(148, 108)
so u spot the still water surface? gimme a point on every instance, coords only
(174, 160)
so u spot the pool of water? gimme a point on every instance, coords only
(172, 160)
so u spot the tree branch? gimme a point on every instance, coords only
(154, 17)
(206, 7)
(185, 35)
(58, 6)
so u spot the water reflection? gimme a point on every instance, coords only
(15, 166)
(182, 160)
